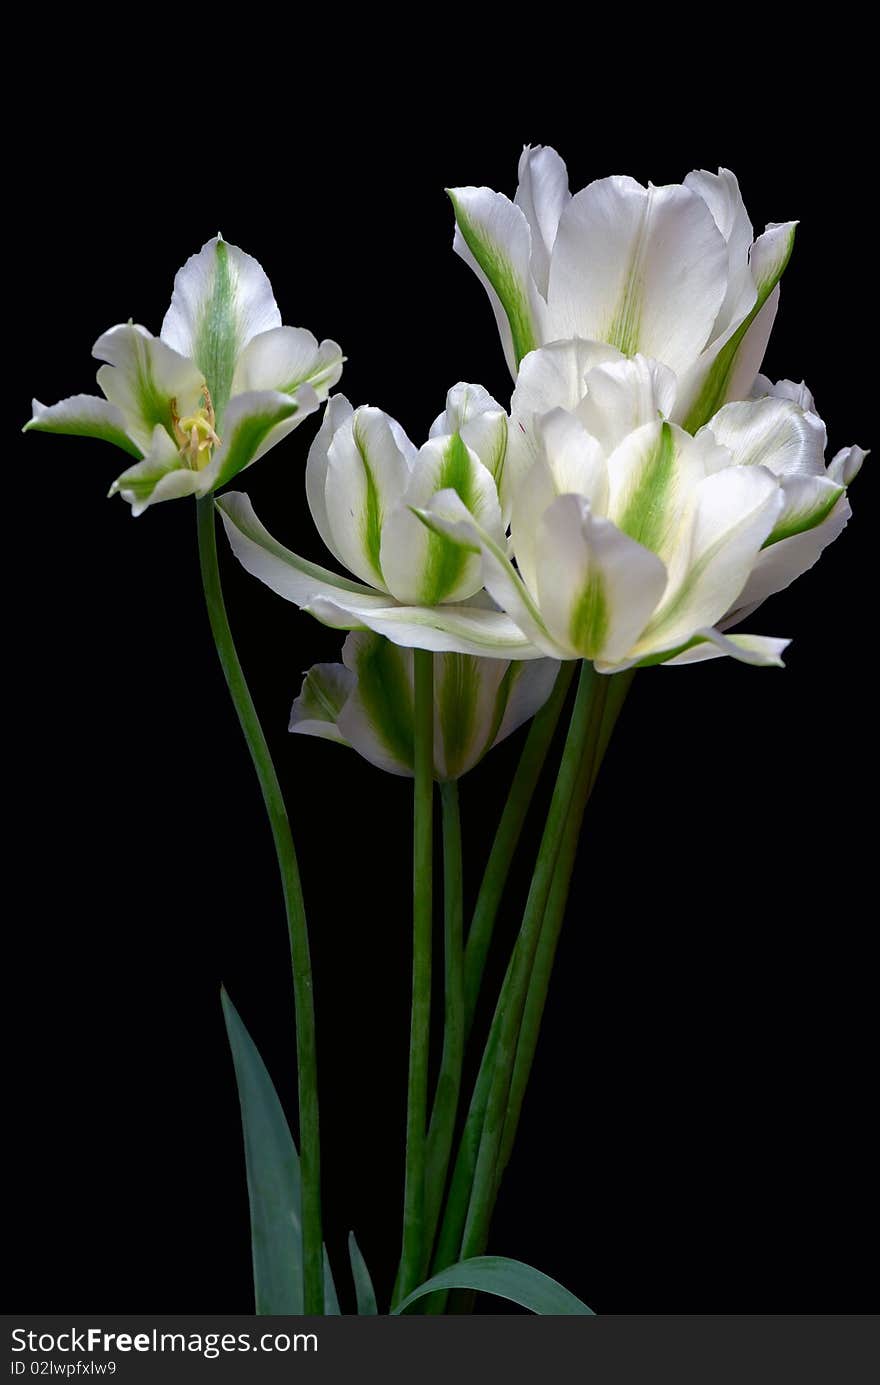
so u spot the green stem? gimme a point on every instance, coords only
(442, 1127)
(612, 692)
(310, 1149)
(413, 1253)
(507, 837)
(482, 1193)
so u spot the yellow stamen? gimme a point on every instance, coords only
(195, 433)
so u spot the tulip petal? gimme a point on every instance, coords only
(337, 412)
(731, 515)
(764, 651)
(85, 416)
(378, 718)
(597, 587)
(846, 464)
(367, 475)
(161, 475)
(528, 686)
(283, 359)
(774, 433)
(455, 629)
(652, 476)
(254, 423)
(807, 503)
(482, 423)
(420, 566)
(146, 380)
(222, 298)
(492, 236)
(293, 577)
(644, 269)
(542, 195)
(797, 392)
(325, 691)
(722, 196)
(622, 395)
(778, 566)
(728, 369)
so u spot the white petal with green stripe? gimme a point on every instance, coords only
(764, 651)
(84, 416)
(482, 423)
(644, 269)
(622, 395)
(467, 629)
(420, 566)
(143, 378)
(284, 359)
(222, 298)
(325, 691)
(652, 478)
(732, 513)
(367, 475)
(337, 411)
(778, 565)
(377, 719)
(543, 195)
(596, 586)
(253, 423)
(492, 236)
(161, 475)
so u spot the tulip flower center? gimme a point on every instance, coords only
(195, 433)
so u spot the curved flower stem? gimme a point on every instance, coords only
(613, 692)
(483, 1191)
(412, 1253)
(310, 1151)
(442, 1125)
(528, 771)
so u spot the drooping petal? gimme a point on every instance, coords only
(543, 195)
(293, 577)
(85, 416)
(846, 464)
(622, 395)
(420, 566)
(482, 423)
(570, 462)
(731, 515)
(492, 236)
(252, 424)
(161, 475)
(550, 378)
(644, 269)
(478, 702)
(528, 687)
(324, 693)
(597, 587)
(778, 565)
(653, 476)
(464, 629)
(222, 298)
(285, 358)
(720, 191)
(771, 432)
(337, 412)
(378, 718)
(765, 651)
(727, 369)
(146, 381)
(367, 475)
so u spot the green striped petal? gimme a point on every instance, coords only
(222, 298)
(284, 359)
(764, 651)
(161, 475)
(777, 567)
(253, 423)
(728, 369)
(367, 474)
(492, 236)
(467, 629)
(807, 501)
(420, 566)
(596, 586)
(481, 423)
(84, 416)
(325, 691)
(146, 381)
(652, 477)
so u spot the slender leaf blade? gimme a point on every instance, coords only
(363, 1284)
(510, 1279)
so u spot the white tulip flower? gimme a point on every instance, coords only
(367, 702)
(672, 272)
(222, 383)
(365, 481)
(635, 542)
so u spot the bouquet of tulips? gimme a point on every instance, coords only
(644, 492)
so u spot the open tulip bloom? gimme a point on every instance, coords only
(645, 492)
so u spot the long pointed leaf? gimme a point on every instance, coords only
(510, 1279)
(363, 1284)
(274, 1184)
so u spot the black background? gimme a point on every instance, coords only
(698, 1132)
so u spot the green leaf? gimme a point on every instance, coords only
(363, 1284)
(274, 1185)
(511, 1279)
